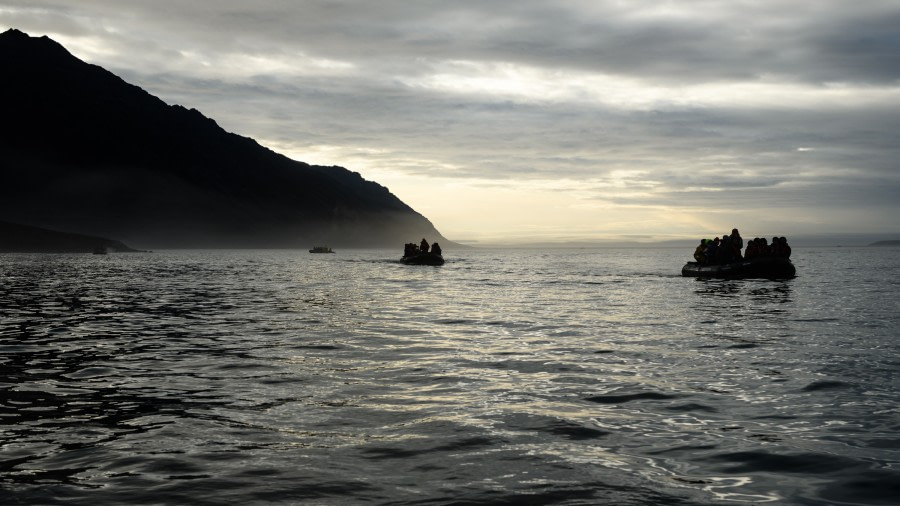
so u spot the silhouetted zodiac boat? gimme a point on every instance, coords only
(759, 267)
(423, 259)
(321, 249)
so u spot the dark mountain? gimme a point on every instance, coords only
(24, 239)
(82, 150)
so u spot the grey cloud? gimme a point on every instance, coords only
(751, 157)
(490, 139)
(822, 41)
(860, 48)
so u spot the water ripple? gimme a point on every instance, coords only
(576, 377)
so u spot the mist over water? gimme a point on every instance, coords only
(514, 376)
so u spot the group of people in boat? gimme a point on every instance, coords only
(759, 247)
(728, 249)
(411, 249)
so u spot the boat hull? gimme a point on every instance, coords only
(765, 267)
(423, 259)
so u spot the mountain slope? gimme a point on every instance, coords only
(82, 150)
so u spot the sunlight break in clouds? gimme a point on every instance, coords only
(532, 84)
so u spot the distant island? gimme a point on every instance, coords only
(15, 238)
(886, 243)
(83, 150)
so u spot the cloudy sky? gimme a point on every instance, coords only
(524, 120)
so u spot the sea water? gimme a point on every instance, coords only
(589, 376)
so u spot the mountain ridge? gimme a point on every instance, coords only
(85, 150)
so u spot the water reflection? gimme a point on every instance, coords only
(735, 300)
(760, 290)
(516, 377)
(775, 291)
(717, 287)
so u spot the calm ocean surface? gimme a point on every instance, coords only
(504, 377)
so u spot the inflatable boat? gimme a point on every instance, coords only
(423, 259)
(760, 267)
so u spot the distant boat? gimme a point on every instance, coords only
(759, 267)
(321, 249)
(100, 250)
(427, 258)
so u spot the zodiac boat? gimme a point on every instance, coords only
(423, 259)
(760, 267)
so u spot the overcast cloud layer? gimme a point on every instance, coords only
(511, 120)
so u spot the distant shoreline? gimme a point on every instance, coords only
(17, 238)
(799, 241)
